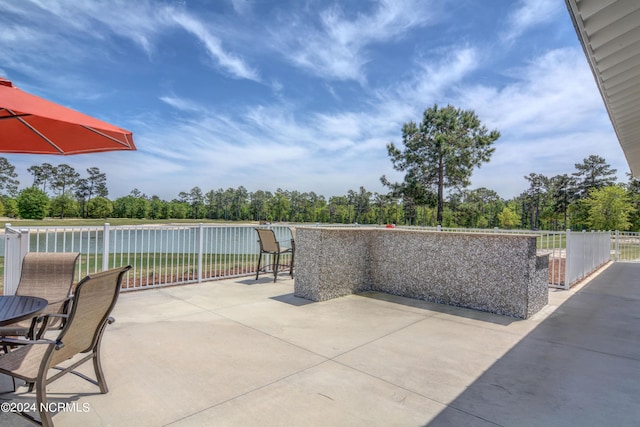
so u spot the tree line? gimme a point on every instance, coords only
(588, 198)
(437, 155)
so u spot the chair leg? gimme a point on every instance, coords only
(258, 269)
(275, 268)
(291, 265)
(97, 366)
(41, 400)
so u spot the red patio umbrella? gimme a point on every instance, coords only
(30, 124)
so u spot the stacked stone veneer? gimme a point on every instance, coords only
(498, 273)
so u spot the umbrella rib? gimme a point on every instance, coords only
(38, 133)
(107, 136)
(14, 116)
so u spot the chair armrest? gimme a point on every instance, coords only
(45, 321)
(67, 299)
(64, 316)
(22, 341)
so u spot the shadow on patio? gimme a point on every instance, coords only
(244, 352)
(580, 367)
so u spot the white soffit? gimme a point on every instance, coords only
(609, 31)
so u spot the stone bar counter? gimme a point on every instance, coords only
(498, 273)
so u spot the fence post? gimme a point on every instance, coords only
(200, 250)
(567, 258)
(105, 247)
(16, 246)
(584, 253)
(616, 253)
(6, 280)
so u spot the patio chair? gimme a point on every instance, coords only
(92, 304)
(47, 275)
(270, 246)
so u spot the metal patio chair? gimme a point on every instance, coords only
(47, 275)
(270, 246)
(32, 360)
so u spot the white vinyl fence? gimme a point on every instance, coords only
(575, 255)
(586, 252)
(160, 255)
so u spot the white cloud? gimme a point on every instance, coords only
(528, 14)
(430, 83)
(553, 93)
(438, 76)
(182, 104)
(229, 62)
(72, 29)
(343, 125)
(137, 21)
(337, 47)
(242, 7)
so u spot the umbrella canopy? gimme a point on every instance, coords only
(29, 124)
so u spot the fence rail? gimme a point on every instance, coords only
(179, 254)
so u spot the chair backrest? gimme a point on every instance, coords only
(48, 275)
(93, 301)
(268, 242)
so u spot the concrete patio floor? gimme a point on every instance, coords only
(243, 352)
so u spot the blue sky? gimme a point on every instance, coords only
(305, 95)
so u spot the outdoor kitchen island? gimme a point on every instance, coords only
(494, 272)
